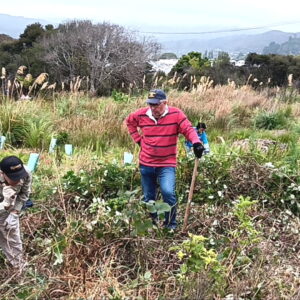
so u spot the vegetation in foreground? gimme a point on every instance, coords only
(88, 235)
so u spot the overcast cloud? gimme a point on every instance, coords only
(171, 15)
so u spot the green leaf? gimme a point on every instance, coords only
(24, 294)
(59, 258)
(147, 275)
(151, 206)
(162, 207)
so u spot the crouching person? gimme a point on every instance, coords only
(15, 187)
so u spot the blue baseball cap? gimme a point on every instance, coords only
(13, 168)
(156, 96)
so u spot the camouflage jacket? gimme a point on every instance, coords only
(14, 197)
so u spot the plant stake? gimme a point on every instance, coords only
(191, 192)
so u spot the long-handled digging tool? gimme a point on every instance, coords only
(191, 192)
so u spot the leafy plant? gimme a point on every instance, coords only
(192, 60)
(13, 123)
(272, 120)
(244, 238)
(245, 227)
(38, 132)
(197, 258)
(120, 97)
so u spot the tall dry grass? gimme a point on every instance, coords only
(93, 122)
(225, 103)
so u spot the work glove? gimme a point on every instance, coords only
(198, 149)
(2, 207)
(27, 204)
(11, 221)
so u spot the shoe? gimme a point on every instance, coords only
(170, 228)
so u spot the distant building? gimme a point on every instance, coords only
(164, 65)
(238, 63)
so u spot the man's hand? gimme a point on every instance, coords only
(12, 221)
(3, 207)
(198, 149)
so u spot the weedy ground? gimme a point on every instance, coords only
(88, 235)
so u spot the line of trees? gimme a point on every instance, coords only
(259, 70)
(107, 55)
(111, 58)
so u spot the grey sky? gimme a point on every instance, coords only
(171, 15)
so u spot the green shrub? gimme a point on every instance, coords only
(13, 123)
(38, 132)
(273, 120)
(119, 96)
(105, 180)
(212, 180)
(197, 258)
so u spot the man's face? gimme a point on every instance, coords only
(158, 109)
(9, 181)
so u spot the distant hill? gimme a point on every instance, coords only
(5, 38)
(15, 25)
(290, 47)
(236, 43)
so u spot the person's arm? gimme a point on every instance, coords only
(204, 140)
(186, 128)
(3, 207)
(15, 196)
(132, 125)
(9, 196)
(24, 192)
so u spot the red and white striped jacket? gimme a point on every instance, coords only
(158, 138)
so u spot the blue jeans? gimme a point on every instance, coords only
(166, 178)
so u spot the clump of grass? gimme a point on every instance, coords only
(273, 120)
(12, 122)
(38, 132)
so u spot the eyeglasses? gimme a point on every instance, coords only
(154, 104)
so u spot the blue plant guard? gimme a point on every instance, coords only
(128, 158)
(31, 165)
(52, 145)
(33, 161)
(2, 141)
(69, 149)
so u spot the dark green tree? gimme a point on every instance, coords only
(25, 51)
(275, 67)
(223, 59)
(191, 63)
(168, 55)
(221, 69)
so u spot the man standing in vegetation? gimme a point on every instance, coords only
(155, 129)
(15, 187)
